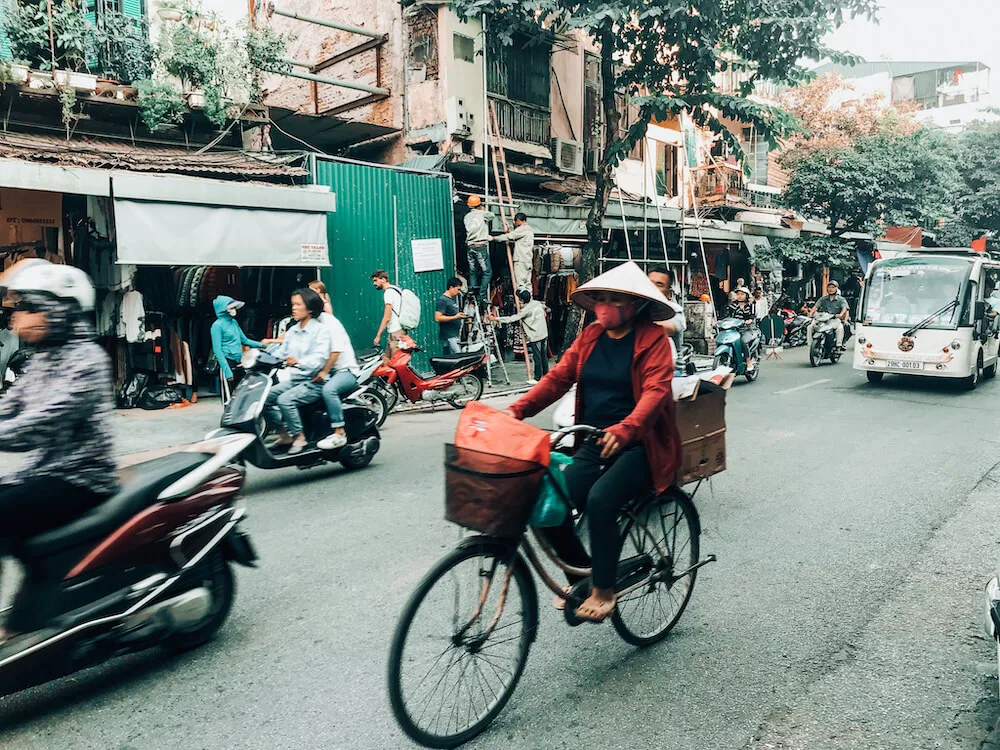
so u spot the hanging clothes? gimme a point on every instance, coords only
(133, 318)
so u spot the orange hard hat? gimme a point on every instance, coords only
(474, 200)
(705, 298)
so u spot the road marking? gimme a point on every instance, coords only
(802, 387)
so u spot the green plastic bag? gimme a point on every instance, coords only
(551, 508)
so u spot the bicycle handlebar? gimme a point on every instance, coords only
(590, 432)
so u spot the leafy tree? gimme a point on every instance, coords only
(829, 117)
(880, 180)
(667, 54)
(979, 208)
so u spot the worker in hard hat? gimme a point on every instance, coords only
(477, 240)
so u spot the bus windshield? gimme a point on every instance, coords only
(904, 291)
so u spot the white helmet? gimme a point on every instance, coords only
(59, 281)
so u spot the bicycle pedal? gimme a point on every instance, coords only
(577, 595)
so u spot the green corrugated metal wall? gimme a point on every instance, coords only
(364, 234)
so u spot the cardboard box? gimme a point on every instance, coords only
(701, 421)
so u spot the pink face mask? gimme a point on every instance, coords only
(611, 317)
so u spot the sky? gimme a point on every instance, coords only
(954, 30)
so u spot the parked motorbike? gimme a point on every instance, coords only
(15, 367)
(245, 414)
(369, 360)
(796, 325)
(824, 340)
(150, 566)
(731, 352)
(456, 380)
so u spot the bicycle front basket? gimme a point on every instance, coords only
(489, 493)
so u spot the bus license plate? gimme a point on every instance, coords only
(902, 364)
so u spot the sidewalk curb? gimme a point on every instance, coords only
(431, 405)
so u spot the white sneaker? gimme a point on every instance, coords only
(332, 442)
(532, 381)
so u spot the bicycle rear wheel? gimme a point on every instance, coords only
(667, 530)
(461, 643)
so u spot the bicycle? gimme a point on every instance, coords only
(481, 604)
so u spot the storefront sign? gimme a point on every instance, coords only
(314, 254)
(427, 255)
(26, 214)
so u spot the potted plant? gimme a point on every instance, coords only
(266, 51)
(161, 105)
(195, 99)
(170, 10)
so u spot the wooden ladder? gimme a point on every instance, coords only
(501, 177)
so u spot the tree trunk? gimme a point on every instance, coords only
(604, 181)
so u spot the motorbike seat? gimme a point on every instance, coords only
(370, 353)
(451, 362)
(142, 484)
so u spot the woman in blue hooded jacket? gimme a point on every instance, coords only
(228, 339)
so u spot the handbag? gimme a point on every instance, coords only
(552, 506)
(212, 365)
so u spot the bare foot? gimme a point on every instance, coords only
(597, 606)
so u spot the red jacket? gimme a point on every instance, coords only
(653, 422)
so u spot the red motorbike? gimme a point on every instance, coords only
(150, 566)
(456, 378)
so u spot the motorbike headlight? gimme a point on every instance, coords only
(956, 345)
(862, 339)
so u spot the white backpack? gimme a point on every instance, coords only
(409, 309)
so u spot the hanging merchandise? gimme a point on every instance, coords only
(133, 318)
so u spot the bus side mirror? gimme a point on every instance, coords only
(980, 310)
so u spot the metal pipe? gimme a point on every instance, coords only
(328, 24)
(296, 63)
(333, 82)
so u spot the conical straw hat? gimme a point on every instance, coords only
(629, 279)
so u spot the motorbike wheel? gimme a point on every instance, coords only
(814, 356)
(469, 388)
(835, 357)
(390, 394)
(376, 402)
(216, 575)
(751, 375)
(721, 360)
(352, 463)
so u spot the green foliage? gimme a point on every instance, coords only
(188, 53)
(27, 28)
(265, 49)
(815, 249)
(882, 180)
(124, 52)
(160, 104)
(979, 152)
(67, 98)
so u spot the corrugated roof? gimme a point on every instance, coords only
(897, 68)
(99, 154)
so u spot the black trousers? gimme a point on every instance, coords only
(539, 357)
(600, 489)
(40, 505)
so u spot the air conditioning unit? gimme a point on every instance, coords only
(568, 155)
(459, 120)
(591, 160)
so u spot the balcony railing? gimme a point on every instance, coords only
(524, 123)
(713, 183)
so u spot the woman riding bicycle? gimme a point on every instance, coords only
(623, 366)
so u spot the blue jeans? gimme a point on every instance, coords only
(284, 400)
(451, 345)
(480, 270)
(339, 384)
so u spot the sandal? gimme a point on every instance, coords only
(558, 602)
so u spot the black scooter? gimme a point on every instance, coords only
(245, 413)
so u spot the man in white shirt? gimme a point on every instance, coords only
(523, 237)
(663, 278)
(477, 239)
(339, 375)
(392, 297)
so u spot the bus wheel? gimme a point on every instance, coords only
(972, 381)
(875, 377)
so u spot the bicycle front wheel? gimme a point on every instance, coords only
(461, 643)
(668, 531)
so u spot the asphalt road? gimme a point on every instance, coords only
(854, 530)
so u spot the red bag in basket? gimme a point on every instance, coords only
(483, 429)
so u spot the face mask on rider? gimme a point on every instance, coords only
(611, 316)
(231, 311)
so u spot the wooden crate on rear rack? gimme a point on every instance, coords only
(701, 420)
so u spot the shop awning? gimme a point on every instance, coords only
(197, 222)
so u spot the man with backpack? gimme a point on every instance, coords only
(401, 312)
